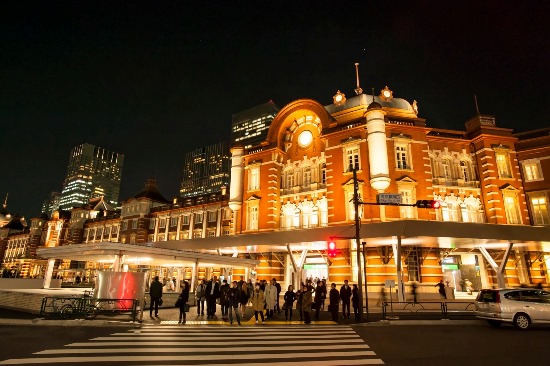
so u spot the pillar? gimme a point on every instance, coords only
(49, 273)
(501, 280)
(399, 269)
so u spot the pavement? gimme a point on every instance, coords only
(170, 316)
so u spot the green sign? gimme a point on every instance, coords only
(315, 266)
(450, 266)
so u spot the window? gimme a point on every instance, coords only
(173, 221)
(254, 178)
(107, 231)
(134, 224)
(212, 216)
(197, 234)
(447, 172)
(185, 220)
(465, 171)
(324, 173)
(540, 210)
(512, 209)
(289, 179)
(211, 234)
(514, 295)
(253, 217)
(407, 212)
(198, 218)
(503, 165)
(124, 225)
(530, 296)
(114, 231)
(162, 223)
(532, 171)
(152, 223)
(307, 176)
(402, 157)
(352, 158)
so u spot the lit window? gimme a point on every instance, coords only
(540, 210)
(532, 171)
(324, 173)
(212, 215)
(152, 224)
(307, 176)
(185, 220)
(134, 224)
(198, 218)
(254, 178)
(211, 234)
(162, 223)
(289, 179)
(503, 165)
(124, 225)
(253, 217)
(465, 171)
(173, 221)
(512, 209)
(352, 158)
(407, 212)
(447, 171)
(402, 157)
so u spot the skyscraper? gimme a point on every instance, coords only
(92, 172)
(51, 204)
(205, 170)
(249, 127)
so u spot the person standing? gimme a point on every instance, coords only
(278, 286)
(324, 297)
(244, 297)
(223, 298)
(299, 301)
(289, 298)
(307, 299)
(200, 293)
(155, 291)
(334, 302)
(270, 298)
(258, 300)
(318, 298)
(212, 293)
(355, 301)
(345, 296)
(183, 300)
(233, 302)
(441, 289)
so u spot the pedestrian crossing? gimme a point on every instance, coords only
(214, 345)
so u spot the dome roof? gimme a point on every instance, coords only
(152, 192)
(366, 99)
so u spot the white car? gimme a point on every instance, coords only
(520, 306)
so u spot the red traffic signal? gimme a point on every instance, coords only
(331, 249)
(428, 204)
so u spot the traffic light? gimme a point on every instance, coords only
(332, 249)
(428, 204)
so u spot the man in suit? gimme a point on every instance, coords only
(212, 293)
(345, 296)
(155, 291)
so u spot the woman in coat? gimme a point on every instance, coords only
(258, 301)
(307, 299)
(289, 298)
(244, 297)
(184, 300)
(355, 301)
(270, 298)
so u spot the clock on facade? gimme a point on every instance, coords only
(305, 138)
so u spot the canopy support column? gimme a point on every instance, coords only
(49, 273)
(501, 280)
(399, 270)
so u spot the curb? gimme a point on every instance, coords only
(68, 323)
(383, 323)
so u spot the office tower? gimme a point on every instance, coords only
(92, 172)
(205, 170)
(249, 128)
(51, 204)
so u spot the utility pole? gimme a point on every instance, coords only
(358, 240)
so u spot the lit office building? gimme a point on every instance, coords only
(249, 128)
(51, 204)
(92, 172)
(205, 170)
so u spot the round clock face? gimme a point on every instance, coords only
(338, 98)
(387, 93)
(305, 138)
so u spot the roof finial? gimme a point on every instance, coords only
(373, 95)
(6, 200)
(358, 90)
(477, 107)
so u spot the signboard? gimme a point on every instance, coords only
(390, 283)
(394, 198)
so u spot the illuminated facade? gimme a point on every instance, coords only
(92, 172)
(205, 170)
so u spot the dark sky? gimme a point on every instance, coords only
(154, 80)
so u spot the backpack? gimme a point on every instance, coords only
(200, 291)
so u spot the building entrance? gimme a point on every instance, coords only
(315, 271)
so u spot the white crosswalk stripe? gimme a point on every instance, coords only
(219, 346)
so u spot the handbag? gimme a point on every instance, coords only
(285, 306)
(313, 306)
(178, 302)
(186, 307)
(160, 302)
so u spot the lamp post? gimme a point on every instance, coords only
(366, 288)
(357, 240)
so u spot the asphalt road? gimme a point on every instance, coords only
(409, 345)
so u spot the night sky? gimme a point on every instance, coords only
(154, 81)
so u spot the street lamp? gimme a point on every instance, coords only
(357, 239)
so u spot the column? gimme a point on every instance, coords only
(191, 224)
(155, 237)
(399, 270)
(219, 221)
(166, 229)
(117, 263)
(204, 223)
(49, 273)
(178, 230)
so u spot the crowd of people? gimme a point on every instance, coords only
(264, 298)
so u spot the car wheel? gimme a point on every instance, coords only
(494, 323)
(522, 321)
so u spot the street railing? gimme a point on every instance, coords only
(67, 307)
(389, 308)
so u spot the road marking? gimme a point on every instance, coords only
(172, 343)
(220, 337)
(250, 348)
(186, 357)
